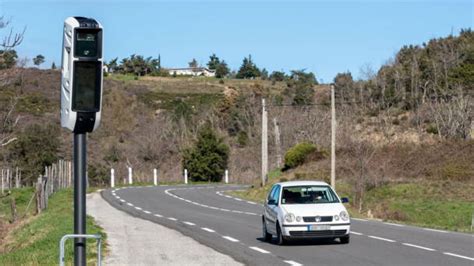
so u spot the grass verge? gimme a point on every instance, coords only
(36, 239)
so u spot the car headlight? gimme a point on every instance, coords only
(344, 216)
(336, 217)
(289, 217)
(298, 219)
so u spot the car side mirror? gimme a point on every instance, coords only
(271, 202)
(344, 200)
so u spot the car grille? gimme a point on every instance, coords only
(324, 233)
(312, 219)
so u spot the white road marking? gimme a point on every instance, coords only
(356, 233)
(416, 246)
(293, 263)
(260, 250)
(122, 200)
(117, 197)
(203, 205)
(147, 212)
(237, 199)
(230, 238)
(384, 239)
(250, 213)
(189, 223)
(459, 256)
(358, 219)
(434, 230)
(129, 204)
(227, 196)
(250, 202)
(208, 229)
(138, 208)
(158, 215)
(400, 225)
(172, 219)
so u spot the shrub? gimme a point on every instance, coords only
(432, 129)
(207, 160)
(98, 174)
(297, 154)
(36, 147)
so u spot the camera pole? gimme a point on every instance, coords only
(80, 162)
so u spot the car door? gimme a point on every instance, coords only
(268, 209)
(273, 209)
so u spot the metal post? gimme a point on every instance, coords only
(333, 139)
(155, 177)
(80, 163)
(264, 143)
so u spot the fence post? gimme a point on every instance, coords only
(112, 177)
(17, 179)
(226, 176)
(130, 176)
(186, 176)
(3, 185)
(155, 177)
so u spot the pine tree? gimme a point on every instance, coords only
(248, 69)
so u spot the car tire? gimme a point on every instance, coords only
(345, 239)
(280, 238)
(266, 236)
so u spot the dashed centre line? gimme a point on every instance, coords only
(260, 250)
(168, 192)
(208, 229)
(230, 238)
(293, 263)
(189, 223)
(420, 247)
(383, 239)
(356, 233)
(172, 219)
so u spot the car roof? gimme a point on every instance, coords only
(303, 183)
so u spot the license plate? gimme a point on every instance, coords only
(319, 227)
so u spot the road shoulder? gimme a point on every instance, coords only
(136, 241)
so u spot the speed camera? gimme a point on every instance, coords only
(81, 74)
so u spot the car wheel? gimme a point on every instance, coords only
(280, 238)
(266, 236)
(345, 239)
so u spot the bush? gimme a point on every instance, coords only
(36, 147)
(207, 160)
(432, 129)
(297, 154)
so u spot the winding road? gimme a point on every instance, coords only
(233, 226)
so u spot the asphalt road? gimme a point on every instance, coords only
(233, 226)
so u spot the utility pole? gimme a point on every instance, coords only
(333, 139)
(277, 142)
(264, 143)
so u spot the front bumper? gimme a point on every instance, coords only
(301, 231)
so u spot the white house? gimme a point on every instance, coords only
(192, 71)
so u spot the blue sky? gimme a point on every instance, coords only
(325, 37)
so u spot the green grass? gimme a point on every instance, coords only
(22, 196)
(36, 241)
(436, 204)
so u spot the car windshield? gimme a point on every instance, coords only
(308, 195)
